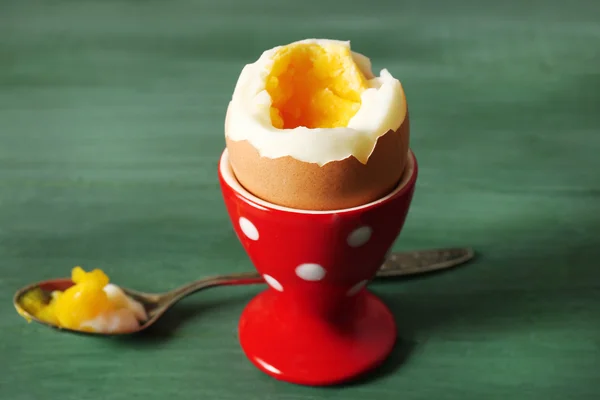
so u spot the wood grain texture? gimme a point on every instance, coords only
(111, 125)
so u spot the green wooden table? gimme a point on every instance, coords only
(111, 124)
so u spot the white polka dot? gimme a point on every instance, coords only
(356, 288)
(273, 283)
(248, 228)
(359, 236)
(310, 272)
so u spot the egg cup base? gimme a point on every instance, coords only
(291, 346)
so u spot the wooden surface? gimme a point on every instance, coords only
(111, 124)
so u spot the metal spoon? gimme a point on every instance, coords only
(156, 304)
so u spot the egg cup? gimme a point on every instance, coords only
(316, 324)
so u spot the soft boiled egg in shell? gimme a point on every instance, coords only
(310, 127)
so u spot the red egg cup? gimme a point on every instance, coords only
(316, 324)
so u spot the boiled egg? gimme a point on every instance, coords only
(309, 126)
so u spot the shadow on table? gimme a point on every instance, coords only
(400, 355)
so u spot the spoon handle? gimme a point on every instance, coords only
(420, 262)
(395, 264)
(235, 279)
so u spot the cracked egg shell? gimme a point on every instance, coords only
(299, 178)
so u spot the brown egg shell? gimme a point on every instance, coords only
(346, 183)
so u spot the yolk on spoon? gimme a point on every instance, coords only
(83, 301)
(314, 86)
(75, 307)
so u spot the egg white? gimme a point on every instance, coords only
(125, 318)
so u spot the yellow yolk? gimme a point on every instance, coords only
(83, 301)
(35, 303)
(314, 86)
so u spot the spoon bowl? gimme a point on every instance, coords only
(156, 304)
